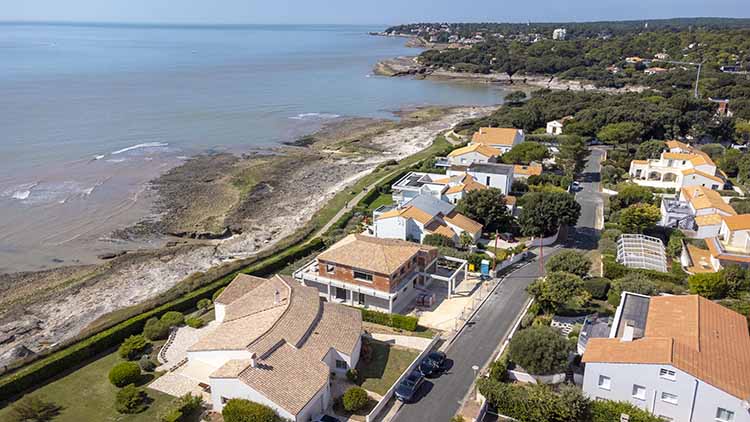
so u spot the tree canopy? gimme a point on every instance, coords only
(569, 261)
(540, 350)
(486, 206)
(572, 155)
(637, 218)
(240, 410)
(629, 194)
(545, 212)
(525, 153)
(557, 290)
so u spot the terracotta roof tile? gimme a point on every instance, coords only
(708, 220)
(463, 222)
(495, 136)
(382, 256)
(485, 150)
(530, 170)
(691, 333)
(738, 222)
(700, 260)
(702, 197)
(241, 284)
(700, 173)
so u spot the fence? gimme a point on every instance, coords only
(387, 396)
(544, 241)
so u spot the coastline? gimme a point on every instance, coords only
(407, 66)
(264, 199)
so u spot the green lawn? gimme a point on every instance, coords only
(387, 364)
(383, 199)
(87, 395)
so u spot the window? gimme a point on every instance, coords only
(669, 397)
(362, 276)
(639, 392)
(330, 268)
(340, 364)
(224, 400)
(361, 299)
(488, 181)
(724, 415)
(605, 382)
(340, 293)
(667, 374)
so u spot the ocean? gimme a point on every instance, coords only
(90, 113)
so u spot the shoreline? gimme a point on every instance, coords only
(407, 66)
(41, 309)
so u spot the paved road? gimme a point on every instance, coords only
(440, 398)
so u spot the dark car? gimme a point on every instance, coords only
(432, 364)
(407, 389)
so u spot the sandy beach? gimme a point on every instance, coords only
(249, 201)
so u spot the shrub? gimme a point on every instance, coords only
(352, 375)
(124, 373)
(133, 347)
(499, 368)
(204, 304)
(402, 322)
(540, 350)
(608, 411)
(33, 409)
(240, 410)
(146, 364)
(597, 287)
(557, 290)
(354, 399)
(437, 240)
(613, 269)
(536, 403)
(131, 399)
(708, 285)
(155, 329)
(194, 322)
(181, 407)
(569, 261)
(173, 318)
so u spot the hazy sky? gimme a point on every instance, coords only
(358, 11)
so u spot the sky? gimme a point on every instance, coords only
(360, 12)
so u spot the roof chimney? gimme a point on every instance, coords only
(253, 360)
(628, 333)
(276, 297)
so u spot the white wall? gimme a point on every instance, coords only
(685, 386)
(220, 310)
(391, 228)
(499, 181)
(232, 388)
(469, 158)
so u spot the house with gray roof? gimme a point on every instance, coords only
(492, 175)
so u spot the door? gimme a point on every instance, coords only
(361, 299)
(340, 293)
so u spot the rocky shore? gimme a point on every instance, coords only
(408, 66)
(223, 207)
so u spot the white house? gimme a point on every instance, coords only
(492, 175)
(475, 153)
(698, 211)
(277, 344)
(415, 183)
(679, 167)
(422, 216)
(682, 358)
(559, 34)
(555, 127)
(498, 137)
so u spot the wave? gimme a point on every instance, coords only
(21, 194)
(116, 160)
(315, 116)
(98, 157)
(139, 146)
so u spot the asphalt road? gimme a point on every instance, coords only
(440, 398)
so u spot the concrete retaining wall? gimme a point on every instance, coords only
(525, 377)
(544, 241)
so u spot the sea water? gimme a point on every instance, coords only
(90, 113)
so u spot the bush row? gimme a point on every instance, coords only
(72, 356)
(391, 320)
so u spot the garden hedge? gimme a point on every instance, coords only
(391, 320)
(72, 356)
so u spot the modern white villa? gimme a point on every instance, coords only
(277, 344)
(730, 246)
(680, 166)
(698, 212)
(492, 175)
(499, 138)
(422, 216)
(450, 188)
(682, 358)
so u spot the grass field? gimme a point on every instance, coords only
(87, 395)
(387, 364)
(383, 199)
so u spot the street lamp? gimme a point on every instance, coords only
(476, 375)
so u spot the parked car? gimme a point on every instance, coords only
(432, 364)
(407, 389)
(575, 187)
(326, 418)
(508, 237)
